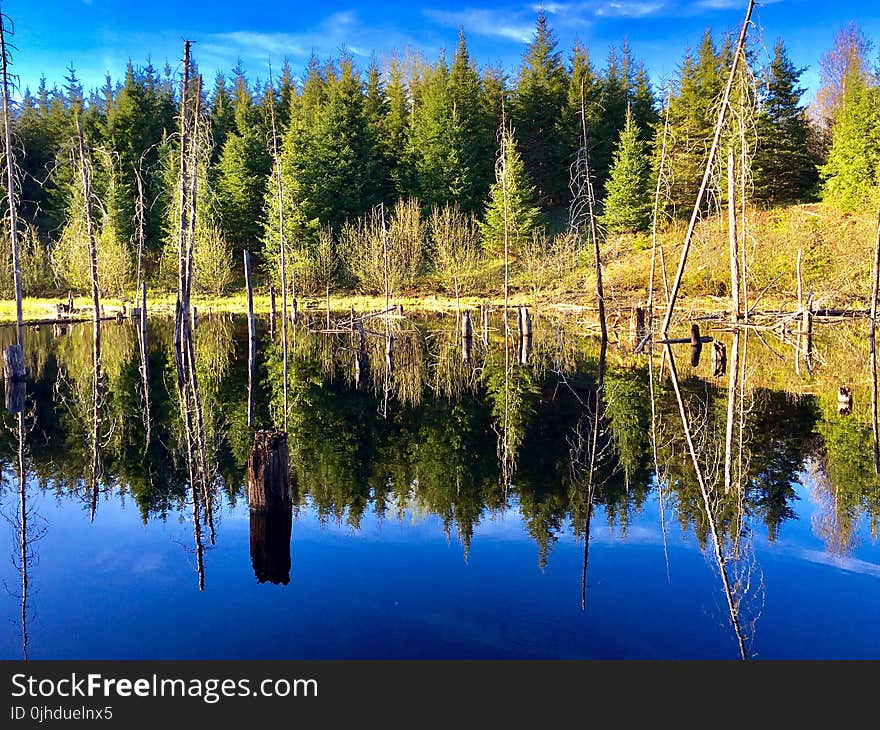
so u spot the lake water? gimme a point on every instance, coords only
(489, 507)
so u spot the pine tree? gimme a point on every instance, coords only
(243, 170)
(701, 80)
(433, 153)
(783, 168)
(852, 174)
(513, 194)
(629, 201)
(474, 131)
(396, 128)
(539, 102)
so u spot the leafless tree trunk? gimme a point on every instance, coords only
(707, 171)
(12, 202)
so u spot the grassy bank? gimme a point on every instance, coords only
(836, 252)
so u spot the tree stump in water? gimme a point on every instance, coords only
(269, 472)
(14, 374)
(696, 345)
(270, 545)
(719, 358)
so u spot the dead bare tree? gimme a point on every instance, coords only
(582, 212)
(276, 162)
(738, 55)
(11, 198)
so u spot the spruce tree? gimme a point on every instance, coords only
(701, 79)
(783, 167)
(851, 175)
(513, 194)
(629, 200)
(539, 103)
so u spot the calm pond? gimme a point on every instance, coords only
(538, 502)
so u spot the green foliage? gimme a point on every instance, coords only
(629, 200)
(455, 246)
(851, 175)
(783, 167)
(539, 101)
(212, 261)
(511, 209)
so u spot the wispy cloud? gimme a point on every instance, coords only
(495, 23)
(571, 12)
(333, 33)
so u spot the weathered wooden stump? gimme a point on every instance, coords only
(696, 345)
(14, 374)
(719, 358)
(58, 330)
(13, 363)
(270, 545)
(269, 472)
(525, 349)
(524, 322)
(389, 353)
(273, 312)
(467, 335)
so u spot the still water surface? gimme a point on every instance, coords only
(441, 509)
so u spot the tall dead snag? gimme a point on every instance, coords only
(583, 210)
(12, 202)
(707, 172)
(252, 337)
(875, 284)
(181, 317)
(276, 161)
(662, 182)
(735, 313)
(85, 176)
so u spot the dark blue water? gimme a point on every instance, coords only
(403, 542)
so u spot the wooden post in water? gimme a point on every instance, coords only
(272, 310)
(268, 472)
(696, 345)
(252, 337)
(807, 329)
(467, 335)
(14, 374)
(719, 358)
(389, 353)
(271, 507)
(361, 363)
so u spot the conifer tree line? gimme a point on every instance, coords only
(404, 155)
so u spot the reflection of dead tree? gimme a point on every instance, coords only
(735, 571)
(28, 528)
(587, 448)
(94, 465)
(660, 472)
(582, 211)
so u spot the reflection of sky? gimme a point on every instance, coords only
(399, 588)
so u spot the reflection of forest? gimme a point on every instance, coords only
(434, 447)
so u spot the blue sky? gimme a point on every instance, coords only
(99, 36)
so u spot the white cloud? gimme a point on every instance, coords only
(495, 23)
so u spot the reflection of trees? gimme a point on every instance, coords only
(844, 484)
(431, 454)
(733, 558)
(27, 526)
